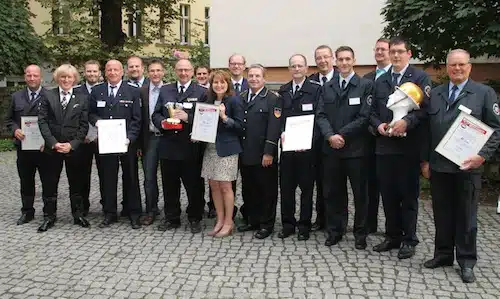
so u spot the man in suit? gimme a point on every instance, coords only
(455, 189)
(297, 169)
(342, 116)
(92, 74)
(259, 160)
(383, 60)
(150, 137)
(397, 152)
(116, 99)
(237, 66)
(323, 55)
(180, 158)
(26, 102)
(202, 75)
(63, 121)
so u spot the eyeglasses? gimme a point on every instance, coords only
(400, 52)
(380, 50)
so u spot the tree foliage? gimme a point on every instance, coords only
(433, 27)
(92, 29)
(20, 44)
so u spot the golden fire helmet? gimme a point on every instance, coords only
(413, 91)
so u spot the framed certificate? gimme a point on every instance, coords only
(33, 139)
(298, 133)
(465, 138)
(205, 122)
(112, 136)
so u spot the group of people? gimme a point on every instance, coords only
(353, 139)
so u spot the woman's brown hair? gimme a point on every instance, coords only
(221, 74)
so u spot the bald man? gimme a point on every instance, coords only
(26, 102)
(115, 99)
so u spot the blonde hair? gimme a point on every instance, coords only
(66, 69)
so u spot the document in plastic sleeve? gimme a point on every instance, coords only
(33, 139)
(298, 133)
(205, 122)
(112, 136)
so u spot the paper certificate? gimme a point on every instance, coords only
(465, 138)
(298, 133)
(205, 122)
(33, 139)
(112, 136)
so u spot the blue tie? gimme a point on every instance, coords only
(378, 73)
(453, 94)
(395, 77)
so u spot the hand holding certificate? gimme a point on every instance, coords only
(464, 139)
(298, 133)
(33, 139)
(112, 136)
(205, 123)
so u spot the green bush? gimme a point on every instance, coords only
(6, 145)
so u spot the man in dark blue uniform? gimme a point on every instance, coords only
(180, 158)
(26, 102)
(398, 154)
(116, 99)
(259, 160)
(455, 189)
(297, 169)
(342, 116)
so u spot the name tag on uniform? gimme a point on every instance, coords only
(464, 109)
(101, 104)
(187, 105)
(354, 101)
(307, 107)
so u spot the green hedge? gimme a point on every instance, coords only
(6, 145)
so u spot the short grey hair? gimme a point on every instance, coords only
(258, 66)
(458, 51)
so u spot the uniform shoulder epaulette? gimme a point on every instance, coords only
(245, 92)
(77, 86)
(132, 84)
(314, 82)
(99, 84)
(275, 93)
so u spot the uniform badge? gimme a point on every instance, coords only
(277, 112)
(427, 90)
(496, 109)
(369, 100)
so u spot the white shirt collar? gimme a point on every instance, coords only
(386, 68)
(299, 85)
(70, 92)
(328, 76)
(257, 93)
(239, 81)
(37, 92)
(186, 86)
(346, 79)
(88, 86)
(402, 72)
(117, 86)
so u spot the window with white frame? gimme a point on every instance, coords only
(185, 20)
(135, 23)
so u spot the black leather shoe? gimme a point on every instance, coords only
(317, 226)
(168, 225)
(438, 262)
(247, 228)
(263, 233)
(148, 219)
(467, 275)
(124, 213)
(81, 222)
(135, 223)
(25, 218)
(406, 251)
(386, 245)
(303, 236)
(360, 243)
(195, 227)
(107, 221)
(333, 240)
(285, 233)
(211, 214)
(46, 224)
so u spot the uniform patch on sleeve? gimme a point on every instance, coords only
(427, 91)
(277, 112)
(369, 100)
(496, 109)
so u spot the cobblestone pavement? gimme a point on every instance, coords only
(73, 262)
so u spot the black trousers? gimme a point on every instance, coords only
(73, 163)
(454, 203)
(260, 194)
(398, 176)
(189, 171)
(336, 172)
(88, 152)
(320, 199)
(125, 193)
(373, 195)
(297, 170)
(150, 163)
(108, 164)
(28, 162)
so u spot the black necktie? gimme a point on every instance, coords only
(251, 97)
(182, 90)
(296, 89)
(112, 93)
(453, 94)
(324, 80)
(343, 84)
(237, 87)
(395, 77)
(33, 95)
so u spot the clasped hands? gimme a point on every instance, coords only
(397, 130)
